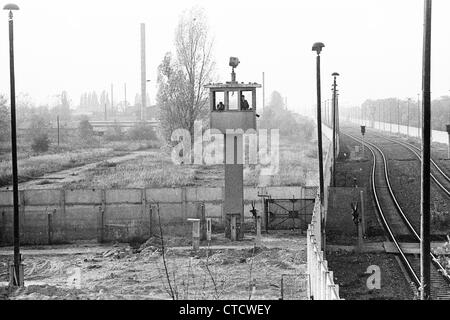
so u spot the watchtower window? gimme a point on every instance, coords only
(233, 100)
(219, 101)
(246, 100)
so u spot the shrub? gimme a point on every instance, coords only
(85, 130)
(40, 143)
(141, 131)
(114, 134)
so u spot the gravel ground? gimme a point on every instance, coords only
(350, 273)
(350, 268)
(238, 271)
(404, 169)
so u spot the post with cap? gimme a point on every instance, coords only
(16, 274)
(317, 47)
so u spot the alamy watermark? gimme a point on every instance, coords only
(235, 146)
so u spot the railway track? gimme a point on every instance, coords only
(438, 175)
(397, 224)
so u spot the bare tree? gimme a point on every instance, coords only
(182, 97)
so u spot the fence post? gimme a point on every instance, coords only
(331, 282)
(208, 229)
(324, 280)
(319, 275)
(195, 233)
(312, 270)
(258, 230)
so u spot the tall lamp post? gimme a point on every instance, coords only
(16, 274)
(425, 260)
(317, 47)
(334, 75)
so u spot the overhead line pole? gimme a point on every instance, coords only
(425, 251)
(17, 274)
(318, 48)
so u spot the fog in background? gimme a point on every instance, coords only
(376, 46)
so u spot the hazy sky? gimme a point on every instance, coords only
(376, 45)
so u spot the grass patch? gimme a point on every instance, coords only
(297, 167)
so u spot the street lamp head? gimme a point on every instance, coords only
(335, 74)
(11, 6)
(318, 47)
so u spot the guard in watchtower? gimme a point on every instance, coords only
(237, 115)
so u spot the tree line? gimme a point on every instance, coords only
(402, 111)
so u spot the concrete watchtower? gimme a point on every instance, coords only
(233, 112)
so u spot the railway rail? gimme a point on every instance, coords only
(397, 224)
(444, 182)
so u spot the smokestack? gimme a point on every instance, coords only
(143, 74)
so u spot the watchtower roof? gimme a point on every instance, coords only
(233, 85)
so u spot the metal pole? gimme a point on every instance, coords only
(398, 116)
(16, 225)
(319, 131)
(334, 132)
(106, 118)
(425, 260)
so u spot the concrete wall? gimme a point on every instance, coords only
(436, 135)
(339, 220)
(62, 216)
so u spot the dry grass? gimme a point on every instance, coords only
(36, 166)
(298, 167)
(152, 171)
(32, 165)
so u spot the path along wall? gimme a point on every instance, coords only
(64, 216)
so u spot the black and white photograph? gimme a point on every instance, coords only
(228, 158)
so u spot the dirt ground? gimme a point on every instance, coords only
(350, 273)
(223, 270)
